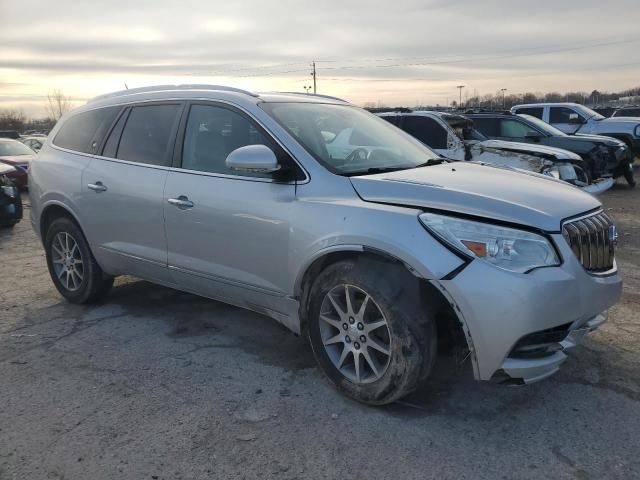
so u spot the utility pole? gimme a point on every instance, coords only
(503, 90)
(460, 87)
(313, 74)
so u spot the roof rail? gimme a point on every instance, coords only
(157, 88)
(315, 95)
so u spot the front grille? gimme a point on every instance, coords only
(592, 240)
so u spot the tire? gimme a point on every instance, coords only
(408, 337)
(8, 225)
(87, 283)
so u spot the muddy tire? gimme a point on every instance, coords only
(370, 332)
(73, 269)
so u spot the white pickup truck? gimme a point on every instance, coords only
(573, 118)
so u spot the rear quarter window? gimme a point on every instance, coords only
(79, 132)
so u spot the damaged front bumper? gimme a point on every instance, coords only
(518, 326)
(529, 369)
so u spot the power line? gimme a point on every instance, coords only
(452, 59)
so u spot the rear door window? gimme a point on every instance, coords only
(149, 134)
(78, 133)
(489, 127)
(533, 111)
(427, 130)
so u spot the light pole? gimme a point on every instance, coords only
(503, 90)
(307, 88)
(460, 87)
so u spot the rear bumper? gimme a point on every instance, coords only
(498, 309)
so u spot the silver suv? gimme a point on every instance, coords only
(382, 254)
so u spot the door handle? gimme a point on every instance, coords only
(97, 187)
(182, 202)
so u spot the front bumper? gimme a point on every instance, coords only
(499, 308)
(532, 370)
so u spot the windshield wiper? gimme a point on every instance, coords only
(374, 170)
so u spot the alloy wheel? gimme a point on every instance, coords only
(355, 333)
(67, 261)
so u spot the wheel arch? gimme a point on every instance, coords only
(452, 331)
(625, 137)
(53, 211)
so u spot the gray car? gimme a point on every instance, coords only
(381, 257)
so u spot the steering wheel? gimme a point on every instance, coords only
(358, 154)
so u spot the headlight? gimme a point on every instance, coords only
(506, 248)
(637, 130)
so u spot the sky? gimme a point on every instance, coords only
(402, 52)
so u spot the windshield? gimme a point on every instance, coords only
(14, 148)
(587, 112)
(544, 126)
(348, 140)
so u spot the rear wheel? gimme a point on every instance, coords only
(72, 267)
(369, 331)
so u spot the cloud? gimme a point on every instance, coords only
(364, 49)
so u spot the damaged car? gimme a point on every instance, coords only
(604, 156)
(454, 137)
(573, 118)
(19, 156)
(10, 201)
(380, 259)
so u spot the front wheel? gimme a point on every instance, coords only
(73, 269)
(369, 331)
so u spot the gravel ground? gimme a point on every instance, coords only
(158, 384)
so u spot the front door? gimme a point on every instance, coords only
(566, 119)
(227, 231)
(122, 204)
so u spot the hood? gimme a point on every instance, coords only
(16, 159)
(534, 149)
(480, 190)
(634, 120)
(607, 141)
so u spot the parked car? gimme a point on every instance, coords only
(18, 155)
(573, 118)
(34, 143)
(10, 201)
(13, 134)
(604, 156)
(375, 258)
(455, 137)
(604, 111)
(630, 111)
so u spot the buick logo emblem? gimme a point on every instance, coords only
(613, 234)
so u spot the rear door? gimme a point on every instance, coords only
(122, 204)
(227, 231)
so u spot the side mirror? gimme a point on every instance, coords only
(253, 158)
(575, 119)
(534, 137)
